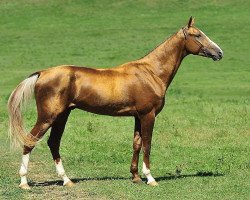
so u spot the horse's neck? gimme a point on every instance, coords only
(166, 58)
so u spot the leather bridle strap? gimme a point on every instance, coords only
(184, 33)
(195, 40)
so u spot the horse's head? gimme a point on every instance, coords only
(197, 43)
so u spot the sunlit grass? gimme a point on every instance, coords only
(200, 146)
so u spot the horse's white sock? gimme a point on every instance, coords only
(61, 172)
(147, 173)
(24, 168)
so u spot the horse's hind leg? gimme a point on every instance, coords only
(54, 145)
(48, 111)
(38, 131)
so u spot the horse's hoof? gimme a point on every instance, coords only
(153, 183)
(69, 184)
(137, 180)
(24, 186)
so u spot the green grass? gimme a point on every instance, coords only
(203, 131)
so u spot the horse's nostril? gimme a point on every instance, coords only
(220, 53)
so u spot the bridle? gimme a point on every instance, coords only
(184, 32)
(196, 41)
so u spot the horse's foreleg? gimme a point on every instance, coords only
(147, 123)
(54, 145)
(37, 132)
(137, 148)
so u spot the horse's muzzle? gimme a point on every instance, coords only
(214, 53)
(218, 56)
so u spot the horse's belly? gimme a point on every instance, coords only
(108, 109)
(106, 104)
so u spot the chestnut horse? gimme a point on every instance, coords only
(136, 88)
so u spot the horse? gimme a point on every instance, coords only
(135, 89)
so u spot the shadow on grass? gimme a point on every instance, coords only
(162, 178)
(76, 180)
(198, 174)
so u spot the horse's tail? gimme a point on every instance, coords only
(18, 98)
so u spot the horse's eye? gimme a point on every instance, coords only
(198, 36)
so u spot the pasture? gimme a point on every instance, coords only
(200, 147)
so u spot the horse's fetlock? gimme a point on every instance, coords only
(146, 171)
(61, 174)
(23, 172)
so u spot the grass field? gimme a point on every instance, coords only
(203, 131)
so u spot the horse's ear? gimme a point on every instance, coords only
(191, 22)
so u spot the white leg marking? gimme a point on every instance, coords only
(61, 172)
(24, 169)
(147, 173)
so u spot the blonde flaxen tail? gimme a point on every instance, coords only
(19, 98)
